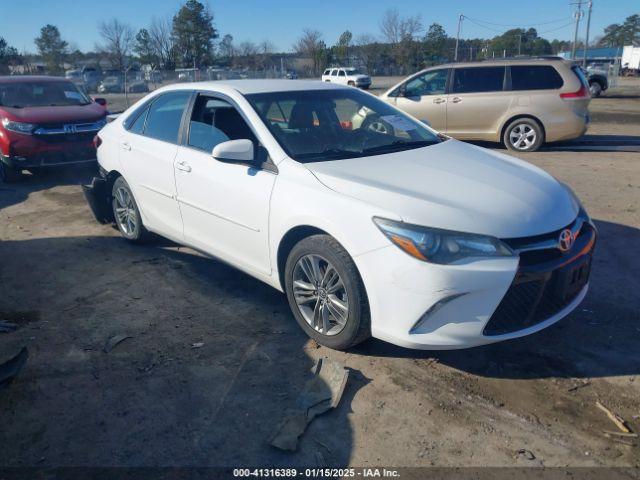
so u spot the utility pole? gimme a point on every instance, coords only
(578, 14)
(586, 41)
(519, 44)
(455, 56)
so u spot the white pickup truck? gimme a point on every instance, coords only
(347, 76)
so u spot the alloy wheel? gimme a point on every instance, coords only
(126, 215)
(522, 136)
(320, 294)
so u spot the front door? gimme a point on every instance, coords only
(225, 206)
(423, 97)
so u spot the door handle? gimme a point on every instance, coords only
(439, 100)
(125, 146)
(184, 166)
(456, 100)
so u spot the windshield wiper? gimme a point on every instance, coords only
(333, 153)
(400, 145)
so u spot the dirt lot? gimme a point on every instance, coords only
(71, 284)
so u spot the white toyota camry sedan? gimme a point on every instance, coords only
(372, 223)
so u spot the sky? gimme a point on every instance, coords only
(282, 21)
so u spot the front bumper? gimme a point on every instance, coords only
(72, 155)
(437, 307)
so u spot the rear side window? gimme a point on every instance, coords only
(165, 115)
(478, 79)
(138, 124)
(535, 77)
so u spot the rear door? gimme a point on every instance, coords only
(424, 97)
(477, 102)
(148, 151)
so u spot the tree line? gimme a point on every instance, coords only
(190, 39)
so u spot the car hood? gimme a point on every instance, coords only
(66, 114)
(456, 186)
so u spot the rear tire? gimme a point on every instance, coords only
(523, 135)
(334, 310)
(126, 213)
(351, 83)
(9, 174)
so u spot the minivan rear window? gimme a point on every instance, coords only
(478, 79)
(535, 77)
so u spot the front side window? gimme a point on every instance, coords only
(214, 121)
(478, 79)
(429, 83)
(321, 125)
(341, 73)
(38, 93)
(165, 115)
(535, 77)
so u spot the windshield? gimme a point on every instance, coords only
(318, 125)
(41, 94)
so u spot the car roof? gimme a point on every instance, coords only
(505, 61)
(247, 87)
(30, 78)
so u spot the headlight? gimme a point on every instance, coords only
(19, 127)
(441, 246)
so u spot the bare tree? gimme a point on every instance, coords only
(117, 38)
(368, 50)
(310, 44)
(160, 33)
(390, 26)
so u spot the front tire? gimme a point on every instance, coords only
(523, 135)
(126, 213)
(595, 89)
(326, 294)
(8, 174)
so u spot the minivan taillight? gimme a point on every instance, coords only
(97, 141)
(582, 92)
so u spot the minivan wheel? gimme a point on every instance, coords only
(595, 89)
(126, 213)
(326, 293)
(8, 174)
(523, 135)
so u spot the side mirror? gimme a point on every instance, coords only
(235, 151)
(101, 101)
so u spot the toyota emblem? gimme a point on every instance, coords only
(565, 242)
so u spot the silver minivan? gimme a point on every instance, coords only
(521, 103)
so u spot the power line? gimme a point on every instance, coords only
(558, 28)
(564, 19)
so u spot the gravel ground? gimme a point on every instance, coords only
(156, 400)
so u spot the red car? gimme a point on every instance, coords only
(45, 121)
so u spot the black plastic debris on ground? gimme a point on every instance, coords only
(7, 326)
(11, 368)
(320, 393)
(114, 341)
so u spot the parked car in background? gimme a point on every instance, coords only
(414, 238)
(291, 75)
(521, 103)
(44, 122)
(113, 84)
(347, 76)
(137, 86)
(598, 78)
